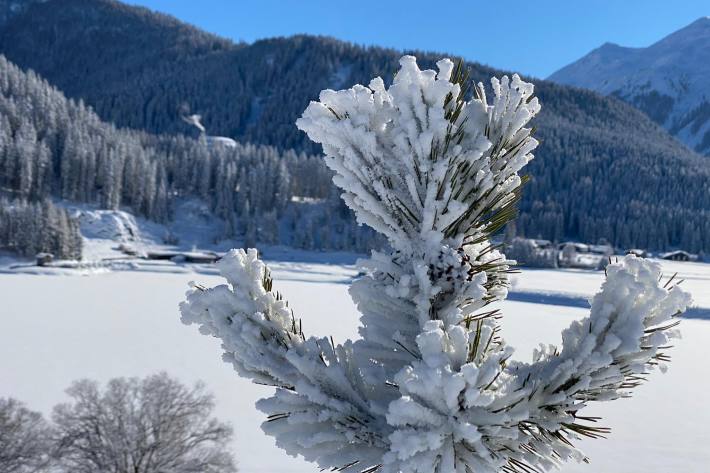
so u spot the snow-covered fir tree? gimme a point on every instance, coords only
(430, 385)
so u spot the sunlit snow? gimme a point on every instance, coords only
(59, 328)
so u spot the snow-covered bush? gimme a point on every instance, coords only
(25, 439)
(150, 425)
(431, 386)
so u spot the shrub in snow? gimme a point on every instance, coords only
(25, 438)
(150, 425)
(431, 386)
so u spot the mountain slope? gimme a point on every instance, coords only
(11, 8)
(604, 169)
(667, 80)
(52, 148)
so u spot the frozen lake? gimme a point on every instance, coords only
(55, 329)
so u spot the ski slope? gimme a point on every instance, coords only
(58, 328)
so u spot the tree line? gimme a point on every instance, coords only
(29, 228)
(603, 169)
(51, 147)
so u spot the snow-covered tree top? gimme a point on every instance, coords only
(417, 161)
(431, 386)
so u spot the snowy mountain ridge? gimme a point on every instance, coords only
(667, 80)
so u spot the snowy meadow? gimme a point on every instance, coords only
(58, 328)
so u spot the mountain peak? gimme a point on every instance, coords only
(610, 45)
(702, 22)
(667, 80)
(612, 49)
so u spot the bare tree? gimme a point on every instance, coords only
(150, 425)
(24, 438)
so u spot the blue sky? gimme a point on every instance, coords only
(532, 37)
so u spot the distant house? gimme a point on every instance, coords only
(532, 253)
(579, 255)
(604, 250)
(542, 244)
(43, 259)
(637, 252)
(200, 257)
(196, 257)
(573, 246)
(679, 255)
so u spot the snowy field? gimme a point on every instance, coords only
(58, 328)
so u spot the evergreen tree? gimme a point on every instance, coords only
(28, 228)
(430, 387)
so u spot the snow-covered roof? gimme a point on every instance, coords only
(678, 253)
(601, 249)
(582, 247)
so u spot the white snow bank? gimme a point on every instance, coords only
(127, 324)
(114, 225)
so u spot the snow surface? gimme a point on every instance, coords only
(103, 230)
(56, 329)
(695, 276)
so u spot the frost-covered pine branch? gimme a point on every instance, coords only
(430, 386)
